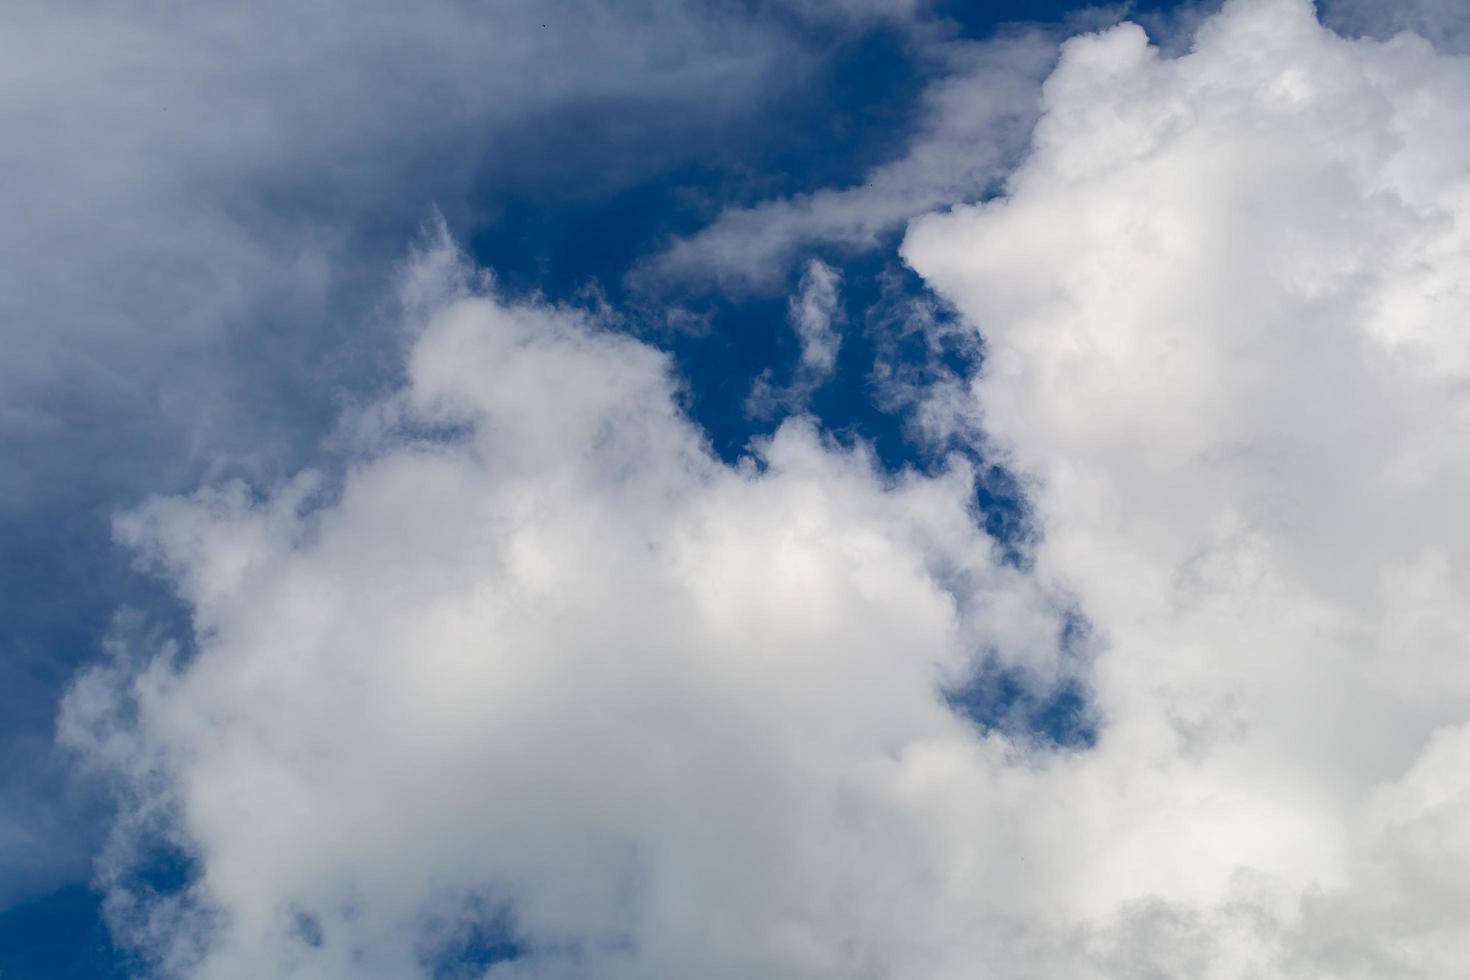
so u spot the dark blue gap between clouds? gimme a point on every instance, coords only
(560, 235)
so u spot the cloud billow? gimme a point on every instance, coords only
(202, 207)
(1223, 304)
(661, 714)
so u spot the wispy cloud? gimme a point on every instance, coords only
(972, 127)
(815, 313)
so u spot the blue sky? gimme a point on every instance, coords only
(269, 270)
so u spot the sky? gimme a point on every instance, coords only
(810, 490)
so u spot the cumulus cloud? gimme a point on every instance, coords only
(539, 674)
(202, 204)
(1224, 317)
(558, 671)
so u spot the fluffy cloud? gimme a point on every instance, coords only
(202, 205)
(539, 673)
(554, 669)
(1224, 311)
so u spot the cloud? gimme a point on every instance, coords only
(195, 191)
(556, 671)
(1223, 312)
(540, 681)
(813, 313)
(900, 11)
(203, 206)
(1445, 23)
(971, 128)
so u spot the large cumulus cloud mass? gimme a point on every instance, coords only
(1225, 310)
(540, 680)
(548, 667)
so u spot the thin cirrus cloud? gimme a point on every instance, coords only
(539, 666)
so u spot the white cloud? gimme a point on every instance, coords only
(201, 205)
(685, 718)
(972, 127)
(814, 313)
(813, 310)
(1224, 311)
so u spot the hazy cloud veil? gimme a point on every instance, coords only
(536, 674)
